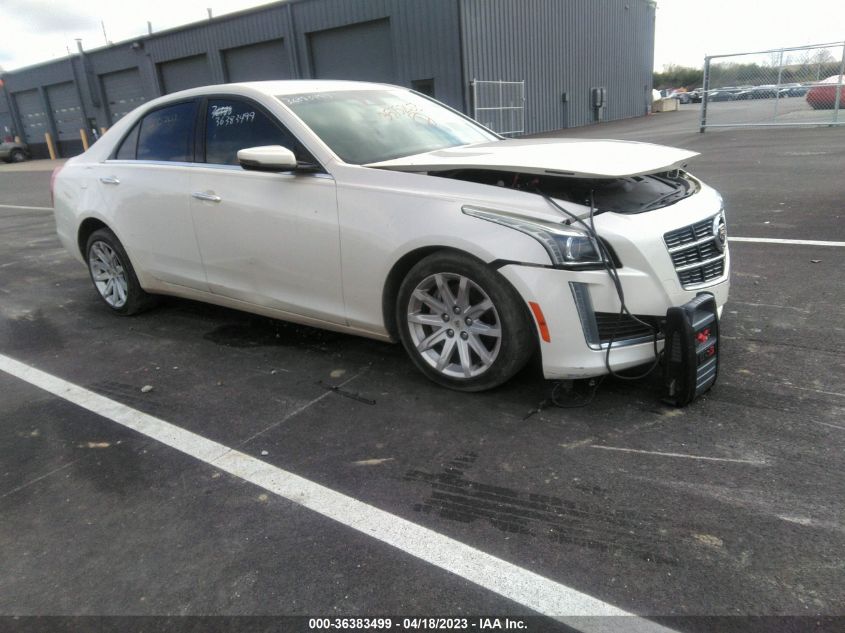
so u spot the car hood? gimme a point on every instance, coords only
(557, 157)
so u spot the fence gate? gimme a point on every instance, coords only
(785, 86)
(499, 105)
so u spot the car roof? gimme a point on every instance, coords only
(100, 151)
(285, 87)
(295, 86)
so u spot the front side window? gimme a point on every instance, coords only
(168, 133)
(232, 125)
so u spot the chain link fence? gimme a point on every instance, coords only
(499, 105)
(787, 86)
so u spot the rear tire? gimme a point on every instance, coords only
(17, 156)
(463, 325)
(113, 276)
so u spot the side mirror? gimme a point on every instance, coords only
(267, 158)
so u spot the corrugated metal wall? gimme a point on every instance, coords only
(563, 46)
(555, 45)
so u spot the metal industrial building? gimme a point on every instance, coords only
(565, 51)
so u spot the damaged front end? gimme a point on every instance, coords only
(626, 195)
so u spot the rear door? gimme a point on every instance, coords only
(270, 239)
(146, 185)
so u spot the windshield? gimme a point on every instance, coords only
(368, 126)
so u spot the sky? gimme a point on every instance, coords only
(687, 30)
(35, 31)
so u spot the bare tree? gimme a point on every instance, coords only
(820, 57)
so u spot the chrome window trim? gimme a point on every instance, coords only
(173, 163)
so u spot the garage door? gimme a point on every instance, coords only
(124, 92)
(361, 51)
(188, 72)
(33, 116)
(267, 60)
(67, 113)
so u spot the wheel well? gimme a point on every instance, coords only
(397, 274)
(394, 280)
(86, 228)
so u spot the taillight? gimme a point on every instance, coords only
(53, 185)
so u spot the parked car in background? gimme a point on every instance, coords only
(696, 95)
(13, 152)
(681, 95)
(822, 95)
(792, 90)
(756, 92)
(720, 94)
(372, 210)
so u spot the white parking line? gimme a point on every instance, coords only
(753, 462)
(20, 206)
(772, 240)
(520, 585)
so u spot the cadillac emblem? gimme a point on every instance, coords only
(720, 232)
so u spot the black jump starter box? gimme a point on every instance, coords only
(691, 352)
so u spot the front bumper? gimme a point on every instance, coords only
(569, 354)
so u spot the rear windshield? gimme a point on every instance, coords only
(368, 126)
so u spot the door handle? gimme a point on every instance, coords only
(204, 195)
(109, 180)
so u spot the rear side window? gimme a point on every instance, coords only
(127, 148)
(167, 134)
(232, 125)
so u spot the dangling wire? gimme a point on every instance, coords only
(607, 261)
(582, 399)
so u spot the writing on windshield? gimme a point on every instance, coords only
(368, 126)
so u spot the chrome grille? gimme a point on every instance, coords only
(695, 253)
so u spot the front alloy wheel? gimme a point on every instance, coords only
(454, 325)
(463, 325)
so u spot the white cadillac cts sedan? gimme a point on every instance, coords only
(371, 209)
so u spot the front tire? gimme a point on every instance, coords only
(113, 276)
(462, 324)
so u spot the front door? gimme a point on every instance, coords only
(270, 239)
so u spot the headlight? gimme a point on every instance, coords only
(566, 246)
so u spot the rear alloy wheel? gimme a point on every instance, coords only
(113, 275)
(462, 324)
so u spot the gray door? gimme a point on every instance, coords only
(67, 113)
(188, 72)
(267, 60)
(33, 116)
(124, 92)
(360, 51)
